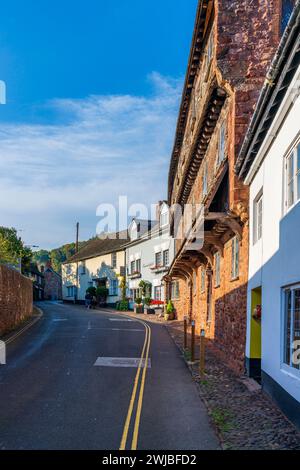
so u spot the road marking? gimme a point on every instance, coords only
(56, 320)
(122, 362)
(19, 333)
(140, 401)
(120, 320)
(146, 348)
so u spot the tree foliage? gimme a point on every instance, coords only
(57, 256)
(12, 248)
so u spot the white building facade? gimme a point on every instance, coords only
(149, 255)
(99, 263)
(270, 164)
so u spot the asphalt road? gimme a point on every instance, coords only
(53, 396)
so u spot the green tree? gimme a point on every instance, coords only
(12, 248)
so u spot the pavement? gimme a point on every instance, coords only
(98, 380)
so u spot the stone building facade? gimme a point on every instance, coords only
(53, 283)
(233, 44)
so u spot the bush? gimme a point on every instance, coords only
(91, 291)
(102, 292)
(139, 301)
(122, 305)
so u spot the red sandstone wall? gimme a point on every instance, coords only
(16, 297)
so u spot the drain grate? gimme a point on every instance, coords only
(121, 362)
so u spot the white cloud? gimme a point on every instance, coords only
(100, 147)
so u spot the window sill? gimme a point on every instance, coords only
(233, 279)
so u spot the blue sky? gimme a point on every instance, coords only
(93, 90)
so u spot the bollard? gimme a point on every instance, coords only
(193, 341)
(185, 333)
(202, 352)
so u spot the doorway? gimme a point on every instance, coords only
(254, 366)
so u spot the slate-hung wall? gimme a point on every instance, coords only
(233, 45)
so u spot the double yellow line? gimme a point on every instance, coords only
(144, 359)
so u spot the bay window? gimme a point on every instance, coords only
(291, 326)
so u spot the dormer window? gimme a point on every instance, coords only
(133, 230)
(164, 216)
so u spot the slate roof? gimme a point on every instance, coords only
(100, 246)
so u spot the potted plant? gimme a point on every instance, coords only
(149, 309)
(170, 311)
(138, 306)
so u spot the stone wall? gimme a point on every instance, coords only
(16, 297)
(53, 286)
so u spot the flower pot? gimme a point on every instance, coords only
(138, 309)
(150, 311)
(167, 316)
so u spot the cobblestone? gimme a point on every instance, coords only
(244, 419)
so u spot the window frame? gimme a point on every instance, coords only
(114, 261)
(235, 258)
(138, 265)
(205, 180)
(155, 290)
(175, 290)
(292, 178)
(114, 287)
(203, 279)
(132, 267)
(288, 367)
(222, 143)
(258, 221)
(158, 255)
(166, 257)
(217, 273)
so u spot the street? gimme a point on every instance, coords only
(70, 383)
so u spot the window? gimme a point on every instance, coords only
(217, 269)
(235, 248)
(204, 180)
(83, 268)
(210, 47)
(157, 292)
(132, 267)
(222, 143)
(166, 257)
(114, 260)
(286, 11)
(138, 265)
(164, 216)
(158, 259)
(175, 290)
(257, 217)
(194, 282)
(203, 279)
(292, 177)
(114, 287)
(291, 326)
(70, 291)
(135, 294)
